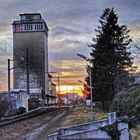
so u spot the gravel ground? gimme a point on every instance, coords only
(16, 130)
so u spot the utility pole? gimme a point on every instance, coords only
(91, 96)
(90, 75)
(27, 71)
(58, 84)
(58, 88)
(9, 78)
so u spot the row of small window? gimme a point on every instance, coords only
(28, 27)
(38, 26)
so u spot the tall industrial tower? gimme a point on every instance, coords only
(30, 42)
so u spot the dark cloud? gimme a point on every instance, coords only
(67, 49)
(63, 31)
(71, 23)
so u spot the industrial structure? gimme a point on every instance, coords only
(30, 53)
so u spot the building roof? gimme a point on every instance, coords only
(40, 20)
(31, 14)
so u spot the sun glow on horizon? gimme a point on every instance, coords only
(70, 89)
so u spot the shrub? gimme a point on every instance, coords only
(128, 103)
(3, 107)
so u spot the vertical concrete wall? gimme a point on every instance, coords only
(85, 126)
(46, 63)
(85, 135)
(21, 99)
(123, 128)
(111, 117)
(36, 42)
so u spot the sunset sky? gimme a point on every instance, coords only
(71, 27)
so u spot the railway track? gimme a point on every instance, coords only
(17, 118)
(15, 127)
(27, 115)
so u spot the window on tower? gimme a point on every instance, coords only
(19, 27)
(28, 27)
(25, 27)
(41, 26)
(29, 17)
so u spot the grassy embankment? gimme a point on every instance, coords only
(75, 115)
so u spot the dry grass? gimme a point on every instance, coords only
(135, 133)
(74, 116)
(77, 116)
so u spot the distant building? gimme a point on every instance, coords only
(68, 98)
(31, 33)
(20, 98)
(51, 99)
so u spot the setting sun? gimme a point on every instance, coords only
(71, 89)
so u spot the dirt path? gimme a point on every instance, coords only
(20, 129)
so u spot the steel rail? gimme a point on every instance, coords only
(29, 114)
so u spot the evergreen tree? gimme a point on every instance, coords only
(110, 57)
